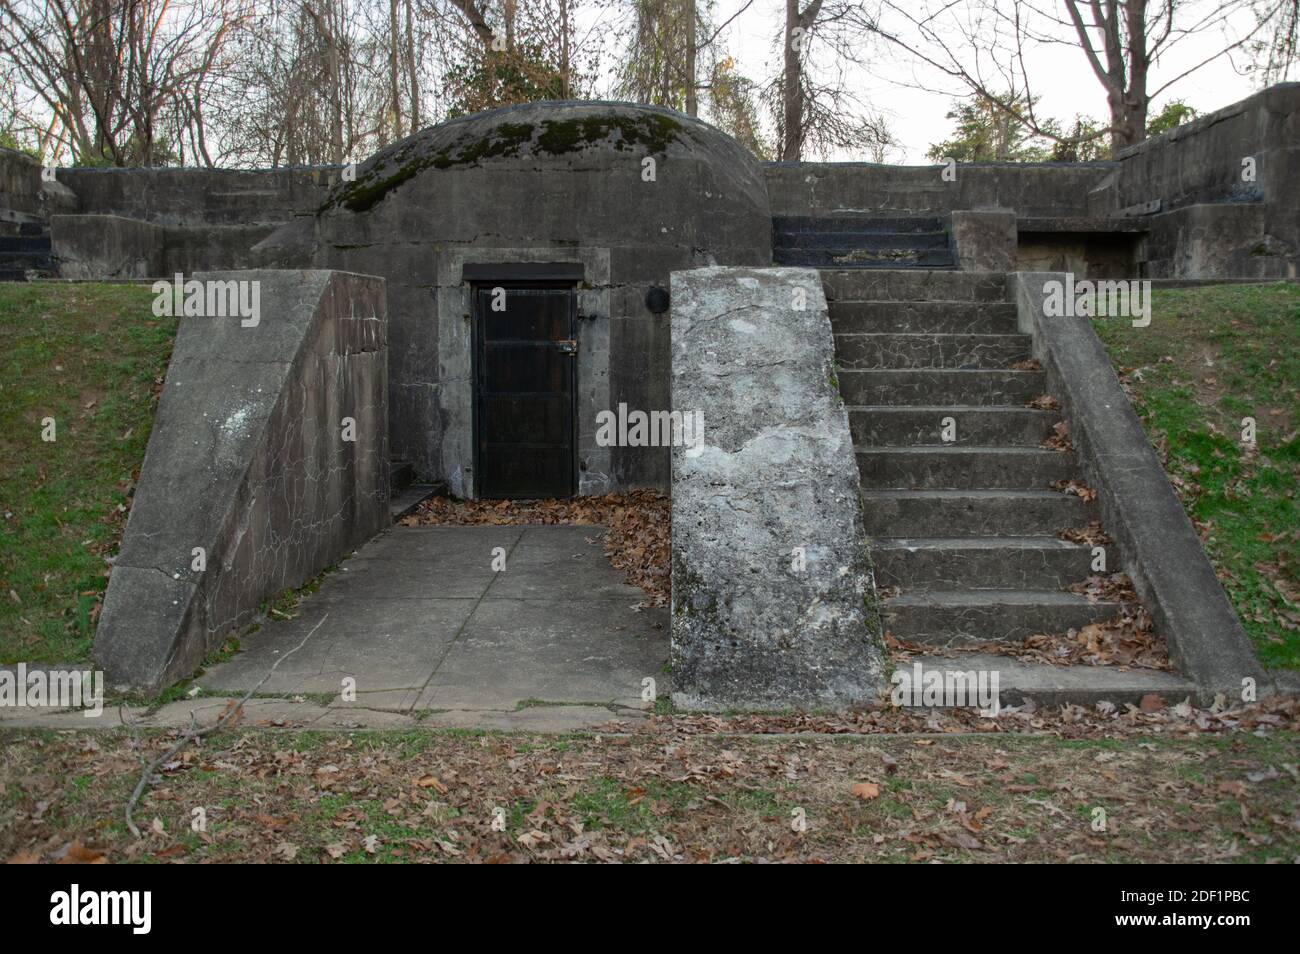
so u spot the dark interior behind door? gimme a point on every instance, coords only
(524, 391)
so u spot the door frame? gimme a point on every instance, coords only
(525, 276)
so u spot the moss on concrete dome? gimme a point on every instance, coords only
(536, 132)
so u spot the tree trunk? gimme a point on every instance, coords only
(564, 49)
(476, 20)
(791, 87)
(1136, 100)
(692, 100)
(394, 88)
(412, 75)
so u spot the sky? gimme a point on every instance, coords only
(1061, 75)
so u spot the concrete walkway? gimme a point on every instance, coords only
(423, 624)
(433, 636)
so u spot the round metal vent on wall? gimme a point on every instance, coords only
(656, 299)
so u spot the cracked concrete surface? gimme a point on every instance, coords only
(428, 629)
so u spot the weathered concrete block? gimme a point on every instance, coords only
(248, 460)
(773, 598)
(106, 246)
(1217, 240)
(985, 239)
(25, 194)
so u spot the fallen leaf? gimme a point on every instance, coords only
(865, 791)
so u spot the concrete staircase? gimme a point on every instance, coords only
(845, 242)
(965, 534)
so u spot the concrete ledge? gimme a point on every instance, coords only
(248, 461)
(1158, 546)
(106, 246)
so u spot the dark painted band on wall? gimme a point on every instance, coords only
(523, 272)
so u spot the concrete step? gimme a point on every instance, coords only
(912, 286)
(962, 513)
(858, 238)
(856, 223)
(963, 617)
(863, 351)
(854, 257)
(963, 468)
(933, 386)
(1049, 685)
(1003, 563)
(875, 425)
(934, 317)
(404, 501)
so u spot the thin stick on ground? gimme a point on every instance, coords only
(193, 732)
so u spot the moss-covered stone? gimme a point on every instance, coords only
(651, 133)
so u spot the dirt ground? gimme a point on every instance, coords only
(1172, 784)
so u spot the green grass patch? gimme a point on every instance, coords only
(92, 357)
(1211, 357)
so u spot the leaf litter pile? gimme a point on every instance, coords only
(1174, 784)
(638, 538)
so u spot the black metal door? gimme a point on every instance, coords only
(525, 360)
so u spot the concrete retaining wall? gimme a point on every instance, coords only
(248, 460)
(25, 195)
(190, 196)
(106, 246)
(1037, 189)
(1196, 172)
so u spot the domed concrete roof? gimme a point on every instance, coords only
(567, 171)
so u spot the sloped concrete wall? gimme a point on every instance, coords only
(773, 600)
(248, 461)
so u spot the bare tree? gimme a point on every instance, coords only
(982, 47)
(117, 75)
(794, 99)
(813, 105)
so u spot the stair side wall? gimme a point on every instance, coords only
(1158, 546)
(248, 460)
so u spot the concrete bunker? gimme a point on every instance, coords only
(526, 251)
(580, 212)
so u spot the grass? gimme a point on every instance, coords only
(91, 357)
(1211, 357)
(434, 795)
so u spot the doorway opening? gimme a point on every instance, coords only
(525, 384)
